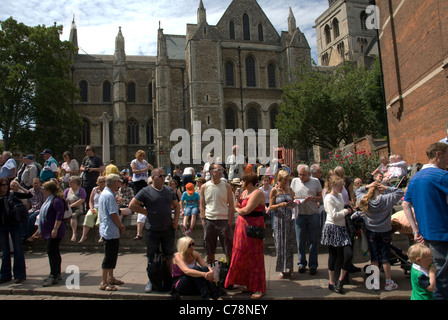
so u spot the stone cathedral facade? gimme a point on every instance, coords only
(223, 76)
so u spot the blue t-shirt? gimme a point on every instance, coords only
(107, 205)
(427, 191)
(191, 201)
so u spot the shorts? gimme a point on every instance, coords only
(110, 253)
(379, 246)
(141, 218)
(191, 211)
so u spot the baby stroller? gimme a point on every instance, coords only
(399, 256)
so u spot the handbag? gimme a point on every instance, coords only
(255, 232)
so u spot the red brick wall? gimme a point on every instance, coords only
(420, 45)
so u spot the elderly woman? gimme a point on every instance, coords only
(91, 218)
(280, 202)
(247, 266)
(76, 197)
(52, 229)
(69, 168)
(191, 274)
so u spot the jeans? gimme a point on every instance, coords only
(189, 286)
(19, 268)
(439, 251)
(379, 246)
(308, 229)
(54, 256)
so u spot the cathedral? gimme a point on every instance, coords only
(227, 76)
(223, 76)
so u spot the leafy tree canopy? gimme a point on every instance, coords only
(327, 108)
(36, 91)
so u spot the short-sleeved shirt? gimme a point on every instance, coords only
(420, 281)
(90, 177)
(158, 204)
(191, 201)
(6, 170)
(427, 192)
(49, 169)
(310, 188)
(106, 207)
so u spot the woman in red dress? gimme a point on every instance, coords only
(247, 266)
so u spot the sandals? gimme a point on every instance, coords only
(137, 238)
(107, 287)
(257, 295)
(116, 282)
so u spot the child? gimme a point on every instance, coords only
(191, 198)
(423, 274)
(377, 205)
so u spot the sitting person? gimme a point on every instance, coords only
(91, 219)
(191, 275)
(124, 197)
(36, 202)
(397, 170)
(76, 197)
(191, 207)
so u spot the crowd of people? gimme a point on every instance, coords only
(232, 200)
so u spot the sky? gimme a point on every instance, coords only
(98, 21)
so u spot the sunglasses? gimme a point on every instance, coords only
(191, 245)
(4, 184)
(161, 176)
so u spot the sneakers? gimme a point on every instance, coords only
(148, 287)
(50, 281)
(390, 285)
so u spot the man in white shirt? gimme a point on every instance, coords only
(307, 222)
(234, 164)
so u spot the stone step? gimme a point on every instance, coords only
(128, 244)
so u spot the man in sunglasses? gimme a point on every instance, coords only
(155, 202)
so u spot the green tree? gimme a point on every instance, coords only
(35, 89)
(327, 108)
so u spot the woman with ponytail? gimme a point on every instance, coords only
(377, 204)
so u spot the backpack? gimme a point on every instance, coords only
(159, 274)
(16, 211)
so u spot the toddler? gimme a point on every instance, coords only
(423, 274)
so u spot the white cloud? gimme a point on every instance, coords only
(98, 20)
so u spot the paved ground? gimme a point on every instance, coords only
(131, 269)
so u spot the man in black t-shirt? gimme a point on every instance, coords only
(156, 202)
(91, 167)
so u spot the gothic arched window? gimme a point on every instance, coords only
(246, 27)
(363, 20)
(271, 76)
(260, 32)
(252, 119)
(230, 118)
(107, 91)
(230, 78)
(83, 86)
(131, 92)
(232, 30)
(336, 31)
(250, 72)
(133, 135)
(327, 34)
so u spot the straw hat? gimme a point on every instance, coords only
(236, 181)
